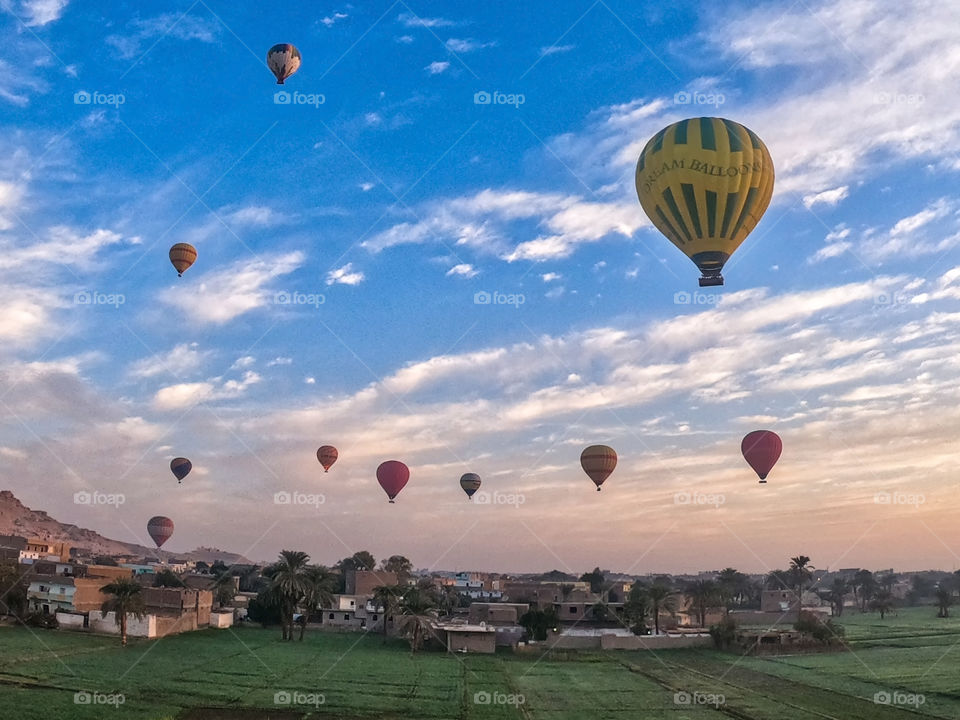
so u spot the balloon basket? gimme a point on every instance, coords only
(711, 280)
(763, 482)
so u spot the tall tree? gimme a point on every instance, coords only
(661, 597)
(417, 616)
(836, 594)
(168, 579)
(864, 587)
(702, 594)
(319, 592)
(288, 585)
(882, 602)
(387, 598)
(944, 601)
(800, 574)
(731, 586)
(595, 578)
(636, 607)
(126, 598)
(398, 564)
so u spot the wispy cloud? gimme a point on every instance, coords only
(345, 275)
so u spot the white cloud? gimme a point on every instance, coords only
(830, 198)
(437, 67)
(183, 359)
(463, 270)
(280, 361)
(554, 49)
(256, 216)
(550, 276)
(222, 295)
(310, 380)
(64, 246)
(345, 276)
(404, 39)
(331, 19)
(43, 12)
(411, 20)
(179, 26)
(185, 395)
(461, 46)
(243, 362)
(367, 186)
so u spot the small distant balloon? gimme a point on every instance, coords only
(598, 461)
(392, 476)
(283, 61)
(181, 467)
(182, 255)
(327, 455)
(470, 482)
(761, 449)
(160, 529)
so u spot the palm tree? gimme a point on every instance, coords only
(319, 593)
(702, 593)
(800, 573)
(13, 590)
(224, 589)
(416, 609)
(387, 598)
(882, 602)
(126, 598)
(944, 601)
(836, 594)
(661, 598)
(636, 607)
(731, 585)
(449, 599)
(289, 585)
(864, 586)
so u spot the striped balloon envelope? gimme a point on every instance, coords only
(283, 61)
(705, 183)
(160, 529)
(470, 482)
(180, 467)
(598, 461)
(182, 255)
(327, 455)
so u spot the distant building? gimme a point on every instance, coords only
(37, 549)
(778, 601)
(354, 612)
(363, 582)
(468, 638)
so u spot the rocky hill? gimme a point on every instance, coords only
(17, 519)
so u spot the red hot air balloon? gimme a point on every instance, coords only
(392, 476)
(470, 482)
(160, 529)
(181, 467)
(761, 448)
(598, 461)
(327, 455)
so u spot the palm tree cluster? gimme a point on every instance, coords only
(293, 583)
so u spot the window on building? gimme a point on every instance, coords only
(573, 610)
(352, 603)
(373, 617)
(331, 616)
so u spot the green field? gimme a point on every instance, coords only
(357, 676)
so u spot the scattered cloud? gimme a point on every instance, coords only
(141, 31)
(345, 276)
(464, 270)
(332, 19)
(411, 20)
(554, 49)
(460, 46)
(830, 198)
(437, 67)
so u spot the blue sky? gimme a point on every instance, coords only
(387, 206)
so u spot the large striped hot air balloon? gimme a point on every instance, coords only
(761, 449)
(160, 529)
(327, 455)
(392, 476)
(704, 183)
(470, 482)
(598, 461)
(180, 467)
(283, 61)
(182, 255)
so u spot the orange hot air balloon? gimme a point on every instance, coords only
(392, 476)
(160, 529)
(761, 449)
(182, 255)
(327, 455)
(598, 461)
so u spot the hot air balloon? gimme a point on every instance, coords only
(392, 476)
(327, 455)
(761, 448)
(598, 461)
(470, 483)
(182, 255)
(705, 183)
(181, 467)
(283, 61)
(160, 529)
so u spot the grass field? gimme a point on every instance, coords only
(350, 676)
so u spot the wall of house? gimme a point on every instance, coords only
(221, 619)
(135, 628)
(477, 642)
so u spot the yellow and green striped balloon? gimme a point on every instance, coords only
(705, 183)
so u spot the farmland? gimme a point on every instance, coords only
(249, 673)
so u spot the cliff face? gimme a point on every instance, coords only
(17, 519)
